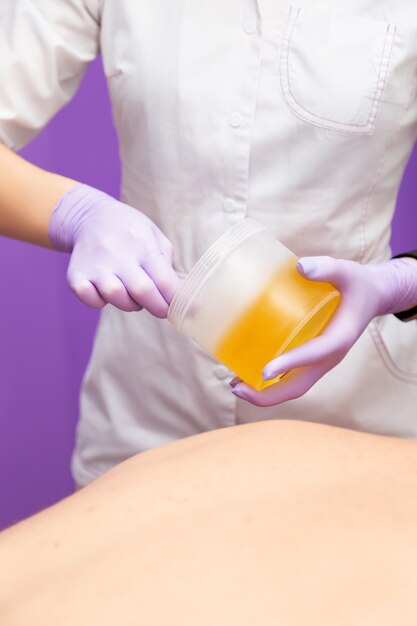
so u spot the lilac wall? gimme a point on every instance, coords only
(404, 231)
(46, 334)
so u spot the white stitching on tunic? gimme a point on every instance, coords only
(386, 358)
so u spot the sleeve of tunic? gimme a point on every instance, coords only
(45, 47)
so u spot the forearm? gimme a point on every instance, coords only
(28, 196)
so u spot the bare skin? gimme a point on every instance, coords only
(28, 196)
(271, 523)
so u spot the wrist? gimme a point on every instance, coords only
(70, 212)
(399, 286)
(410, 313)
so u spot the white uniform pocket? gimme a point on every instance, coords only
(333, 68)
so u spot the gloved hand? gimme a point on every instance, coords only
(119, 255)
(366, 291)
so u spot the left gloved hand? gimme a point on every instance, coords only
(367, 291)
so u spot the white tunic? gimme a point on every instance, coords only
(302, 116)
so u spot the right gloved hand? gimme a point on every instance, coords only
(119, 256)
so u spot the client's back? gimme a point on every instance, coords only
(268, 524)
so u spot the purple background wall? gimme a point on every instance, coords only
(46, 334)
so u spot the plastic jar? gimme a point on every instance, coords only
(245, 302)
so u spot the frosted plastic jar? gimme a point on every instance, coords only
(245, 302)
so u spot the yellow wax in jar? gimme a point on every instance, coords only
(288, 312)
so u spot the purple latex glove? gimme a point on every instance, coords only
(119, 256)
(367, 291)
